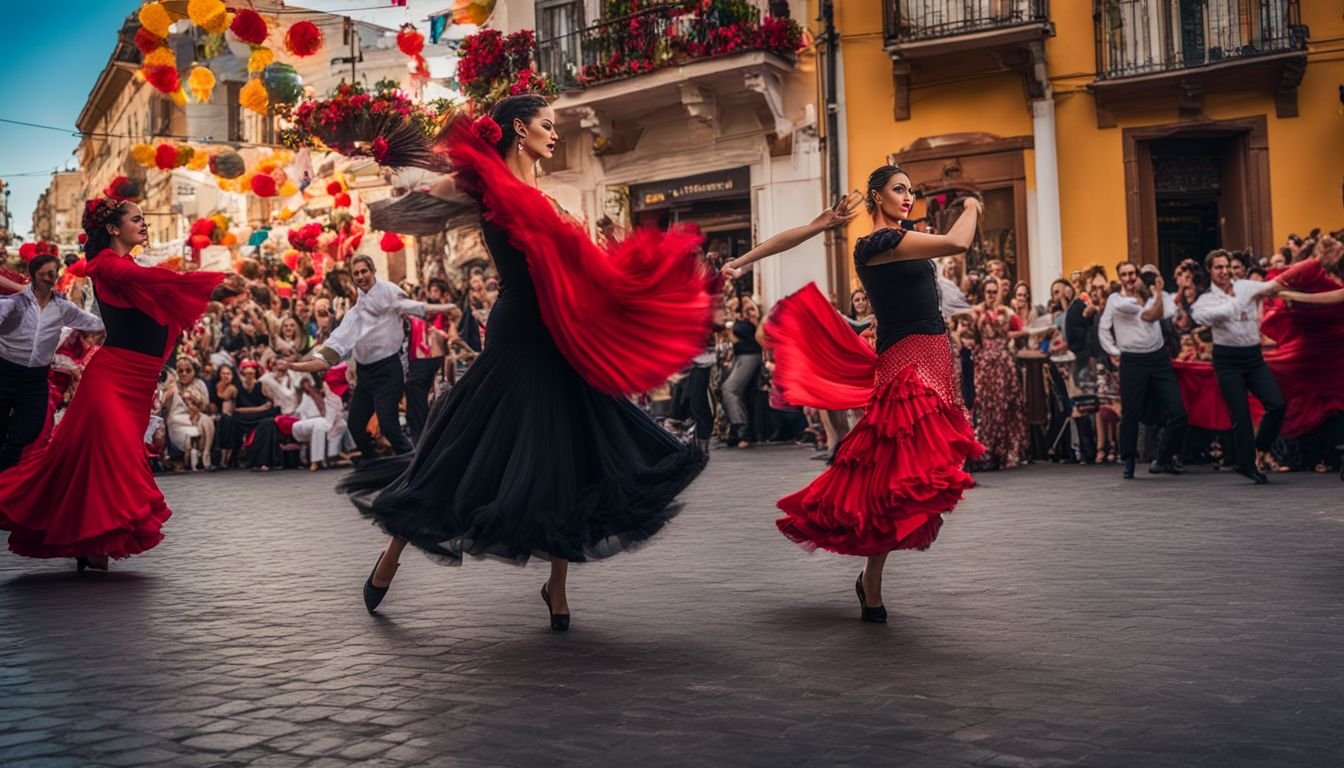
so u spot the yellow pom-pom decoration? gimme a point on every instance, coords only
(201, 81)
(161, 57)
(288, 188)
(155, 18)
(143, 154)
(253, 97)
(260, 59)
(179, 97)
(199, 160)
(210, 15)
(285, 214)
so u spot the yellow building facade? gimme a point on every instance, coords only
(1100, 130)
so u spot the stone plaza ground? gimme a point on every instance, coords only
(1065, 617)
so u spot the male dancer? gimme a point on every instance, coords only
(1130, 330)
(1231, 308)
(372, 333)
(30, 331)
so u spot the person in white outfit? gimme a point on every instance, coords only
(321, 422)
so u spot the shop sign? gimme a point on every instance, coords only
(689, 189)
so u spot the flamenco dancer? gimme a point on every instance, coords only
(534, 451)
(30, 333)
(901, 467)
(104, 503)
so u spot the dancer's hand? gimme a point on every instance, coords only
(731, 272)
(844, 211)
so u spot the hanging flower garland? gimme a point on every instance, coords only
(210, 15)
(492, 66)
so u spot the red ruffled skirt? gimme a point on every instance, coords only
(90, 492)
(900, 468)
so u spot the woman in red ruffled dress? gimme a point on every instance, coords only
(89, 494)
(902, 465)
(536, 450)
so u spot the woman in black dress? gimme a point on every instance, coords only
(534, 451)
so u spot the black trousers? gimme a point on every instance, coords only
(419, 383)
(378, 389)
(23, 408)
(697, 390)
(1147, 379)
(1241, 370)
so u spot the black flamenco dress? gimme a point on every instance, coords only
(90, 492)
(525, 456)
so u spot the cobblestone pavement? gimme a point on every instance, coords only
(1064, 617)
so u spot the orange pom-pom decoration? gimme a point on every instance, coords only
(342, 200)
(200, 241)
(335, 188)
(391, 242)
(147, 41)
(410, 41)
(249, 27)
(164, 78)
(263, 185)
(303, 39)
(165, 157)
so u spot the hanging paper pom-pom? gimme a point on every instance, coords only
(160, 57)
(165, 157)
(210, 15)
(260, 59)
(391, 242)
(122, 188)
(28, 252)
(179, 97)
(283, 84)
(155, 18)
(184, 155)
(147, 41)
(201, 81)
(472, 11)
(203, 227)
(285, 214)
(288, 189)
(263, 185)
(335, 188)
(249, 27)
(253, 96)
(199, 241)
(228, 239)
(228, 165)
(342, 200)
(143, 154)
(199, 159)
(410, 41)
(164, 79)
(291, 259)
(303, 39)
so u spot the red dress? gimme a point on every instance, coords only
(1307, 362)
(901, 467)
(90, 492)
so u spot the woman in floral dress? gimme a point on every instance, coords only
(1000, 413)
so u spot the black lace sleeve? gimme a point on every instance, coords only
(879, 242)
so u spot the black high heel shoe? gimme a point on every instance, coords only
(82, 563)
(876, 615)
(559, 621)
(374, 595)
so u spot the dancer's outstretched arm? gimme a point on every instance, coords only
(1326, 297)
(922, 245)
(841, 213)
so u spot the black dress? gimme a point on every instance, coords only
(523, 456)
(258, 432)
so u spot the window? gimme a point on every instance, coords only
(559, 24)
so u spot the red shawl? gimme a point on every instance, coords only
(820, 362)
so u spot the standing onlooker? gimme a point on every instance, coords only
(223, 394)
(1000, 411)
(746, 364)
(428, 348)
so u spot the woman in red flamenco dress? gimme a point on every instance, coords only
(89, 494)
(1307, 322)
(902, 465)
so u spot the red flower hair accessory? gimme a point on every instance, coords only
(99, 211)
(487, 130)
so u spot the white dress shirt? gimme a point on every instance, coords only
(1123, 328)
(29, 334)
(282, 390)
(1234, 317)
(371, 330)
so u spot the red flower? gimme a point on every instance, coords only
(303, 39)
(379, 149)
(249, 27)
(488, 130)
(391, 243)
(410, 41)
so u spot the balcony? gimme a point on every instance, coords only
(932, 41)
(1179, 50)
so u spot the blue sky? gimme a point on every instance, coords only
(52, 57)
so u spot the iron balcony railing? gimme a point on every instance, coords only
(1141, 37)
(662, 35)
(915, 20)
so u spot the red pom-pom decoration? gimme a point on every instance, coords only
(203, 227)
(488, 130)
(147, 41)
(263, 185)
(303, 39)
(342, 200)
(391, 242)
(334, 188)
(249, 27)
(200, 241)
(165, 157)
(410, 41)
(360, 218)
(28, 252)
(122, 188)
(164, 78)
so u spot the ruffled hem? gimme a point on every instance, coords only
(134, 538)
(894, 475)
